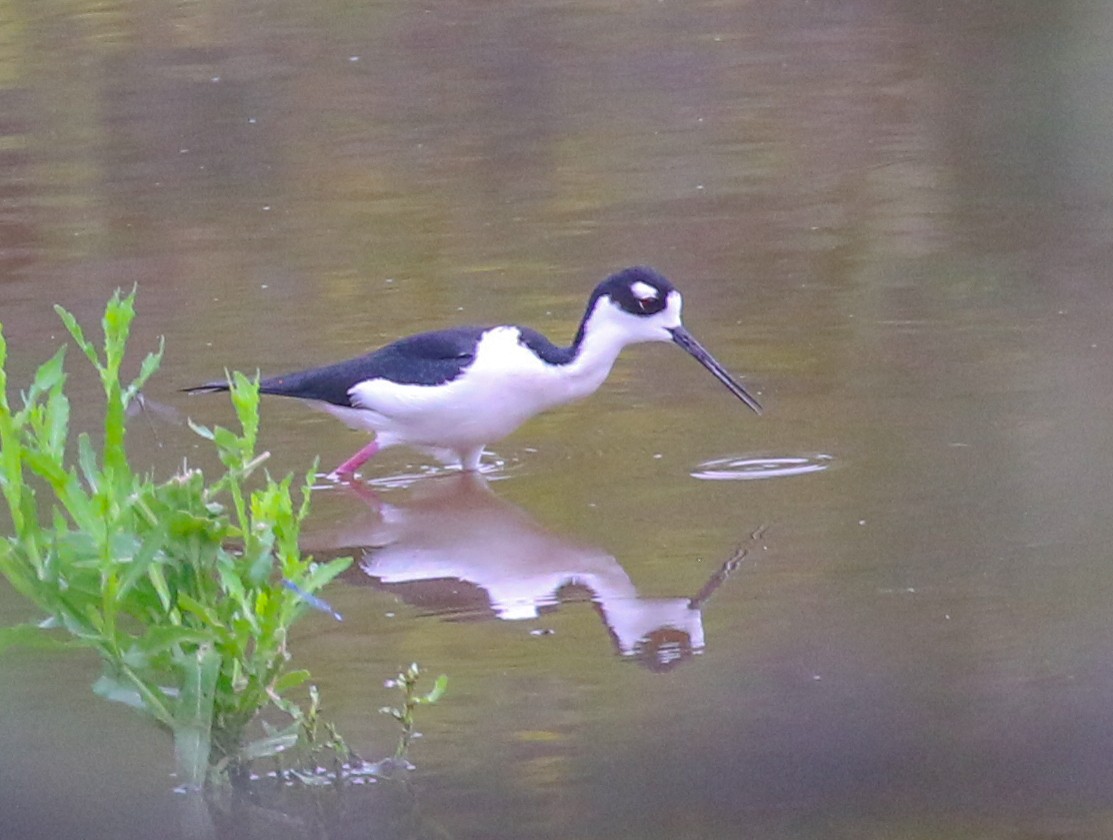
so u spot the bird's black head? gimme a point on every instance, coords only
(639, 304)
(639, 290)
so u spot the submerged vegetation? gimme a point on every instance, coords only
(190, 631)
(406, 683)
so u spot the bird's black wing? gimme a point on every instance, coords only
(431, 358)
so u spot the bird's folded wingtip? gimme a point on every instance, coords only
(207, 388)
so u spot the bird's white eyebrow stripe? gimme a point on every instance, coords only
(644, 291)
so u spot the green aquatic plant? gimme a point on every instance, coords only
(406, 683)
(190, 631)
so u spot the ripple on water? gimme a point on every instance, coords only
(751, 469)
(493, 468)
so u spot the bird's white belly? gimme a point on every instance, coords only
(462, 413)
(506, 385)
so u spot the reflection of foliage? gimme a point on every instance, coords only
(190, 632)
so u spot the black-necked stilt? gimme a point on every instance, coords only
(460, 389)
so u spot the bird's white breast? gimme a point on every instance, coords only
(505, 385)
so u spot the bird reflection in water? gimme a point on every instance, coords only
(456, 550)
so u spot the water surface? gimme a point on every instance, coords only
(892, 218)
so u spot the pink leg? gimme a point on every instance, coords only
(349, 467)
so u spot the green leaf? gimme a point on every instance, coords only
(146, 370)
(123, 546)
(159, 640)
(46, 465)
(193, 717)
(321, 574)
(229, 573)
(33, 636)
(78, 336)
(49, 377)
(119, 691)
(4, 407)
(116, 323)
(203, 431)
(141, 563)
(229, 445)
(245, 399)
(57, 419)
(87, 462)
(127, 688)
(439, 688)
(74, 623)
(289, 680)
(201, 611)
(158, 583)
(271, 745)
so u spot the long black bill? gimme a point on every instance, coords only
(684, 338)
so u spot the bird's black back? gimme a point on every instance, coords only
(431, 358)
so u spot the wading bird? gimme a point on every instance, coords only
(459, 389)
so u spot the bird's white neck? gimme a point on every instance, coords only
(607, 329)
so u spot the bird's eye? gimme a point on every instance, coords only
(648, 304)
(646, 297)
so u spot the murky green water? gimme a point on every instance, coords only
(893, 218)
